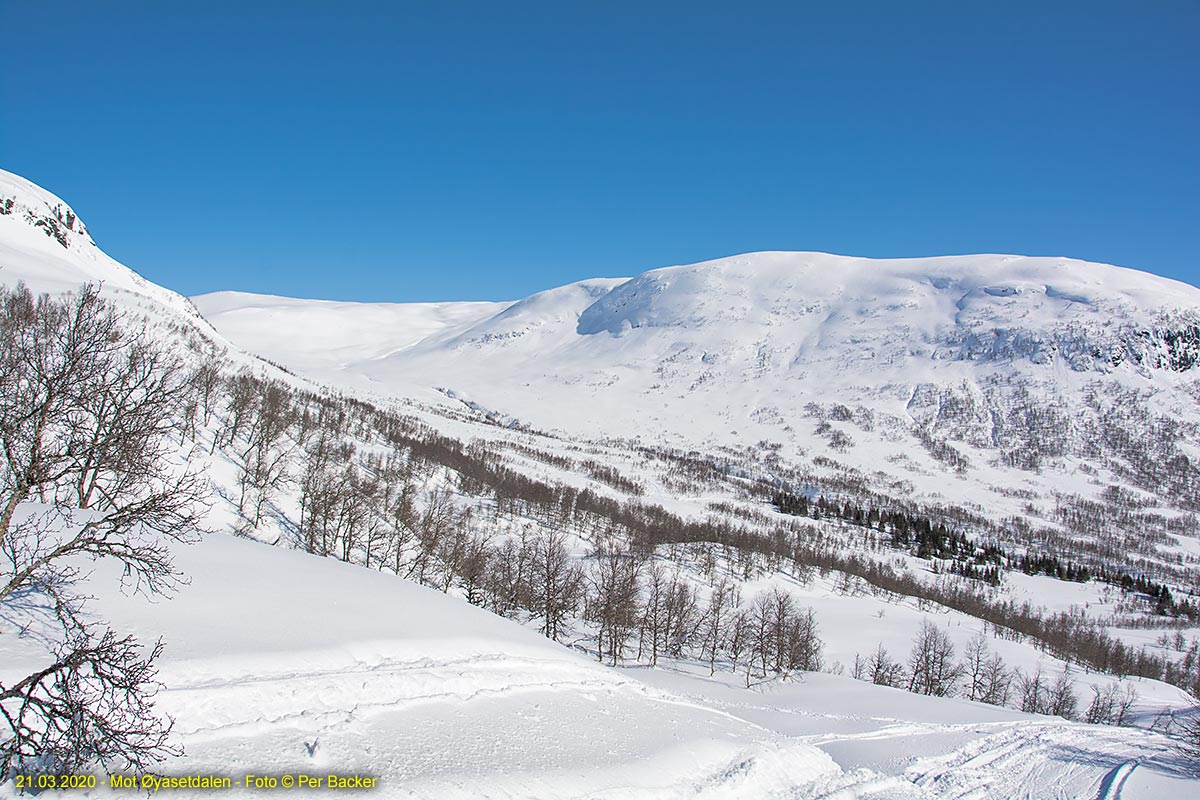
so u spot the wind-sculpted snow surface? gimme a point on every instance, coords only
(953, 749)
(277, 662)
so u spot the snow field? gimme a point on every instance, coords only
(279, 662)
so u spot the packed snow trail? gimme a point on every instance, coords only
(950, 748)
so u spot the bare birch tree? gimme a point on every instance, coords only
(91, 410)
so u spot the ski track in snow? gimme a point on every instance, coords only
(340, 693)
(719, 754)
(1114, 781)
(1051, 760)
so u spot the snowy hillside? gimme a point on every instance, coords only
(44, 244)
(643, 426)
(281, 664)
(995, 381)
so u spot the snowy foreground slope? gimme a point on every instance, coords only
(272, 654)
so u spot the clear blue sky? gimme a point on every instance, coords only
(426, 151)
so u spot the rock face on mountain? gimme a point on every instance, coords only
(44, 244)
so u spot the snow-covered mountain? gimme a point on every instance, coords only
(1060, 393)
(812, 319)
(995, 385)
(990, 380)
(44, 244)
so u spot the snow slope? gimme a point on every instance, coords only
(44, 244)
(315, 336)
(271, 654)
(949, 376)
(279, 663)
(950, 748)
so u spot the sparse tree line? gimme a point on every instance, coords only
(1119, 431)
(1145, 446)
(394, 509)
(981, 675)
(931, 540)
(1117, 535)
(1120, 531)
(632, 599)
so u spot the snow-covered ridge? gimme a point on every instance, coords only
(44, 244)
(792, 309)
(762, 279)
(774, 316)
(963, 307)
(38, 224)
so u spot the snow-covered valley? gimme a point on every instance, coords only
(954, 375)
(1041, 405)
(1019, 387)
